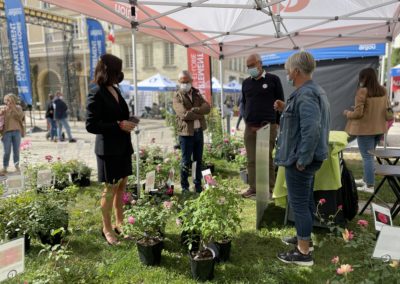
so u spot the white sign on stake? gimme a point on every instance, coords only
(382, 216)
(44, 178)
(15, 184)
(171, 176)
(12, 258)
(194, 165)
(150, 181)
(387, 247)
(208, 179)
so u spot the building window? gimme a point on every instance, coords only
(169, 54)
(46, 5)
(148, 55)
(128, 56)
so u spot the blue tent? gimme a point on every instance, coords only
(233, 87)
(395, 71)
(157, 83)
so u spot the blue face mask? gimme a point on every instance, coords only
(253, 72)
(289, 81)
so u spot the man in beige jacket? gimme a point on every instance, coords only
(190, 108)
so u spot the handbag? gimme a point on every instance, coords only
(389, 115)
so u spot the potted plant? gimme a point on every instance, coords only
(146, 221)
(61, 171)
(215, 216)
(80, 173)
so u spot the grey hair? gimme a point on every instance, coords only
(185, 73)
(256, 56)
(303, 61)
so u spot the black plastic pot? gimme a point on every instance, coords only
(202, 269)
(224, 250)
(150, 254)
(80, 181)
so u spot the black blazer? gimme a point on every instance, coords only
(102, 114)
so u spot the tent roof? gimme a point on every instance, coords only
(238, 27)
(157, 82)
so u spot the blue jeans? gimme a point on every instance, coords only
(60, 124)
(53, 128)
(365, 144)
(191, 146)
(301, 197)
(11, 138)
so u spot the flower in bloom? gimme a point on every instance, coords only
(133, 202)
(340, 207)
(344, 269)
(158, 168)
(167, 204)
(395, 264)
(126, 198)
(170, 191)
(383, 218)
(49, 158)
(221, 200)
(226, 140)
(322, 201)
(58, 158)
(141, 153)
(363, 223)
(243, 151)
(178, 222)
(335, 260)
(347, 235)
(131, 220)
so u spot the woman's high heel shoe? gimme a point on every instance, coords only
(111, 240)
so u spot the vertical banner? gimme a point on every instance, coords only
(18, 41)
(199, 67)
(97, 44)
(262, 172)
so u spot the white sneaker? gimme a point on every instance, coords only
(359, 182)
(365, 188)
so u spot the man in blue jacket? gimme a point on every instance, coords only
(61, 117)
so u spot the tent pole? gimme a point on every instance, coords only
(388, 78)
(221, 75)
(137, 131)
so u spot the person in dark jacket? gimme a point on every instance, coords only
(259, 92)
(61, 117)
(108, 117)
(50, 119)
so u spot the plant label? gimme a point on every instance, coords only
(387, 247)
(171, 177)
(15, 184)
(44, 178)
(150, 180)
(12, 259)
(208, 179)
(194, 165)
(382, 216)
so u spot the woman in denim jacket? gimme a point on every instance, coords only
(302, 146)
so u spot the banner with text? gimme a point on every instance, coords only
(97, 44)
(16, 29)
(199, 67)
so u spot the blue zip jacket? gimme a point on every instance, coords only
(304, 127)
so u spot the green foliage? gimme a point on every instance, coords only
(215, 214)
(147, 219)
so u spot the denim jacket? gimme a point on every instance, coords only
(304, 128)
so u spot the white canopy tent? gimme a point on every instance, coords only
(229, 28)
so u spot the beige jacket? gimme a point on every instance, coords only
(369, 115)
(14, 120)
(187, 111)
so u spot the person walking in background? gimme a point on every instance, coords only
(259, 92)
(303, 144)
(368, 122)
(52, 126)
(228, 111)
(108, 118)
(13, 130)
(190, 108)
(61, 117)
(239, 104)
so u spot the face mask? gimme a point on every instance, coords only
(120, 77)
(253, 72)
(185, 87)
(289, 81)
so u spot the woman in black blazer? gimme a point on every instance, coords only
(107, 117)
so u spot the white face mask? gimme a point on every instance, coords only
(185, 87)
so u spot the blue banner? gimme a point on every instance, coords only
(341, 52)
(97, 44)
(17, 39)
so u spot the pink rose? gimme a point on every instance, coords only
(126, 198)
(363, 223)
(340, 207)
(131, 220)
(49, 158)
(347, 235)
(167, 204)
(322, 201)
(344, 269)
(335, 260)
(226, 140)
